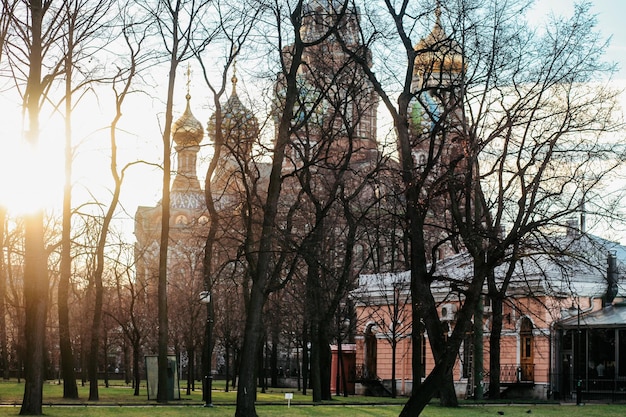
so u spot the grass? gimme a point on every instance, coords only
(119, 399)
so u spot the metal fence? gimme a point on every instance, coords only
(517, 373)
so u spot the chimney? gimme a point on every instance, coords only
(611, 277)
(572, 228)
(583, 216)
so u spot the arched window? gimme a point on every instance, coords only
(527, 364)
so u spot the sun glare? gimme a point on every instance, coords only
(32, 177)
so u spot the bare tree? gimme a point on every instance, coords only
(5, 22)
(178, 23)
(4, 355)
(83, 21)
(132, 314)
(443, 75)
(35, 26)
(422, 177)
(540, 129)
(233, 141)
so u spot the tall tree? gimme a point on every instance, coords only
(262, 272)
(233, 139)
(178, 22)
(4, 355)
(5, 21)
(423, 178)
(82, 20)
(469, 103)
(260, 267)
(36, 26)
(537, 136)
(122, 85)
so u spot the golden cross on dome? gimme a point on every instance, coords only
(234, 78)
(188, 80)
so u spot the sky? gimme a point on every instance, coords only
(611, 15)
(142, 186)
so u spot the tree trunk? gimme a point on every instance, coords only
(325, 363)
(394, 345)
(127, 365)
(494, 348)
(274, 357)
(4, 355)
(92, 365)
(227, 364)
(207, 355)
(477, 342)
(35, 259)
(305, 361)
(340, 377)
(136, 375)
(259, 370)
(246, 389)
(447, 392)
(35, 303)
(313, 312)
(190, 369)
(418, 401)
(260, 275)
(70, 390)
(105, 358)
(163, 336)
(418, 345)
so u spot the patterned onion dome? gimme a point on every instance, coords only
(187, 130)
(239, 125)
(438, 53)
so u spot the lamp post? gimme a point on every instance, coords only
(579, 355)
(205, 298)
(579, 381)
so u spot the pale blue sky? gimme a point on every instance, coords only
(611, 16)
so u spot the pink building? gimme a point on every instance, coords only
(547, 301)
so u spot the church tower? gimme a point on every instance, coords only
(239, 133)
(337, 106)
(187, 133)
(437, 126)
(437, 109)
(188, 213)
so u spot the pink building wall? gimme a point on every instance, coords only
(538, 311)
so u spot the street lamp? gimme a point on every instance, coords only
(579, 356)
(205, 298)
(579, 383)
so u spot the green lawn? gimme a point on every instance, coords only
(328, 411)
(118, 399)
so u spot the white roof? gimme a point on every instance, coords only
(580, 270)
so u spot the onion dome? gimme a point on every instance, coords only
(437, 52)
(240, 128)
(187, 130)
(186, 191)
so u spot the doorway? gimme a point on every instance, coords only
(527, 361)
